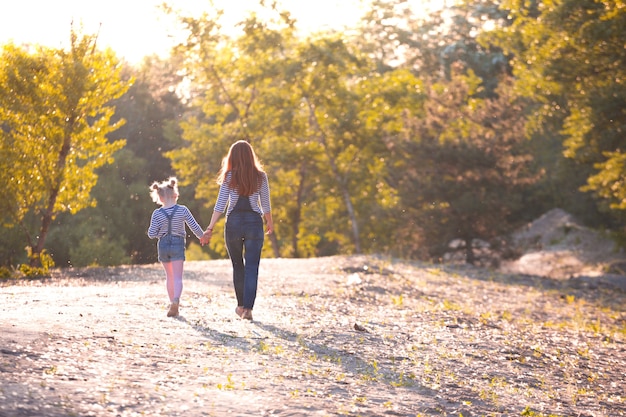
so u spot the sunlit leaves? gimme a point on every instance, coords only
(466, 165)
(55, 117)
(310, 111)
(610, 182)
(570, 58)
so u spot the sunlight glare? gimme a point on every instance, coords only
(137, 28)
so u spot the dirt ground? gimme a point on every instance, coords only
(358, 336)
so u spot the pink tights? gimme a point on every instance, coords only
(174, 279)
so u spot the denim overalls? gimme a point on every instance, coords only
(244, 238)
(171, 247)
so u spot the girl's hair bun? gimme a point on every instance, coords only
(160, 191)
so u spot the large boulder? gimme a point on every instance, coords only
(556, 245)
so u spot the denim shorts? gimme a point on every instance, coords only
(171, 248)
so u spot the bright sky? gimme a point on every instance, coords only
(136, 28)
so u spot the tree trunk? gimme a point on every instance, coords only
(337, 175)
(48, 214)
(275, 245)
(296, 216)
(469, 252)
(355, 225)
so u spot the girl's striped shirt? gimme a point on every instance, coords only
(159, 222)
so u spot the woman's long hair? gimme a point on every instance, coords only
(245, 168)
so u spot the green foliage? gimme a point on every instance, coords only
(569, 58)
(98, 251)
(195, 253)
(397, 137)
(12, 247)
(114, 231)
(528, 411)
(610, 180)
(116, 226)
(150, 107)
(55, 112)
(302, 104)
(5, 272)
(465, 164)
(42, 259)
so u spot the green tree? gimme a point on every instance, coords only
(301, 103)
(239, 93)
(437, 49)
(569, 57)
(222, 95)
(435, 45)
(110, 232)
(393, 35)
(152, 108)
(117, 225)
(392, 102)
(55, 113)
(465, 164)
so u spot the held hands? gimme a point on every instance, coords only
(206, 237)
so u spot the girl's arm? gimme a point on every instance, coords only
(193, 224)
(153, 230)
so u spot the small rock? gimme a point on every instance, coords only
(354, 279)
(360, 328)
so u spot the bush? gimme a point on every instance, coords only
(99, 252)
(5, 272)
(42, 259)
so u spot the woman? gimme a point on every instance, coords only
(244, 196)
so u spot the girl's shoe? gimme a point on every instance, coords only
(247, 314)
(173, 312)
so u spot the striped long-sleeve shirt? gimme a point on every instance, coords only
(259, 200)
(159, 222)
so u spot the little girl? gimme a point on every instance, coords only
(168, 225)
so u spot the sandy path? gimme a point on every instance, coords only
(428, 341)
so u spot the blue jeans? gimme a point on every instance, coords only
(244, 238)
(171, 248)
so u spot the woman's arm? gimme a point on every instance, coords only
(264, 197)
(206, 237)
